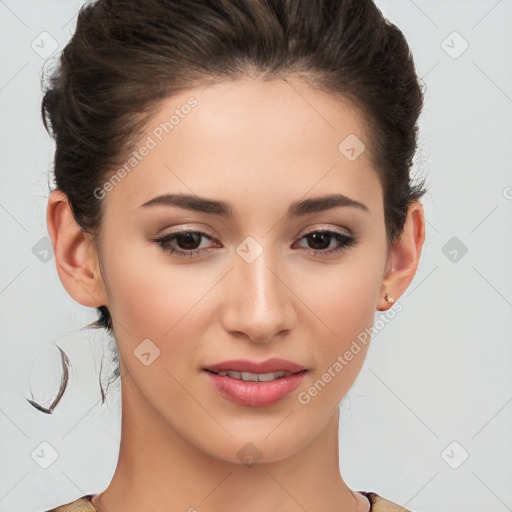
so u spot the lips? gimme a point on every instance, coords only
(254, 394)
(245, 365)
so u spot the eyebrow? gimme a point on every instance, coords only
(296, 209)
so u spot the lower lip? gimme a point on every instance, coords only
(255, 394)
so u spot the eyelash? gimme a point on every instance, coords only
(345, 241)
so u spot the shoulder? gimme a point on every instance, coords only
(380, 504)
(82, 504)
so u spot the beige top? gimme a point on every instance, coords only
(377, 504)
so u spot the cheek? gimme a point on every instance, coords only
(147, 298)
(343, 308)
(343, 300)
(344, 297)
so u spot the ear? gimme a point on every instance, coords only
(75, 255)
(404, 255)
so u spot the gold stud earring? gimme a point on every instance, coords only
(388, 298)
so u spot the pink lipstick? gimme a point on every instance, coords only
(255, 384)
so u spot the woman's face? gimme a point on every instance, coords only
(253, 282)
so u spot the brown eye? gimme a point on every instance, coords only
(186, 243)
(320, 241)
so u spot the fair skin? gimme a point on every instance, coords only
(259, 146)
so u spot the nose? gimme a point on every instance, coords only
(258, 301)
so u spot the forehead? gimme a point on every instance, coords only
(261, 141)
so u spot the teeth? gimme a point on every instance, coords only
(254, 377)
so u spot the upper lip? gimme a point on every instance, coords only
(245, 365)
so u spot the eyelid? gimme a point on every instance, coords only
(183, 229)
(324, 227)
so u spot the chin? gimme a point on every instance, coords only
(256, 449)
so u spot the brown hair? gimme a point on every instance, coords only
(127, 55)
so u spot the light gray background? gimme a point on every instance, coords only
(436, 385)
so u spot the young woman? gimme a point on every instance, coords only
(233, 194)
